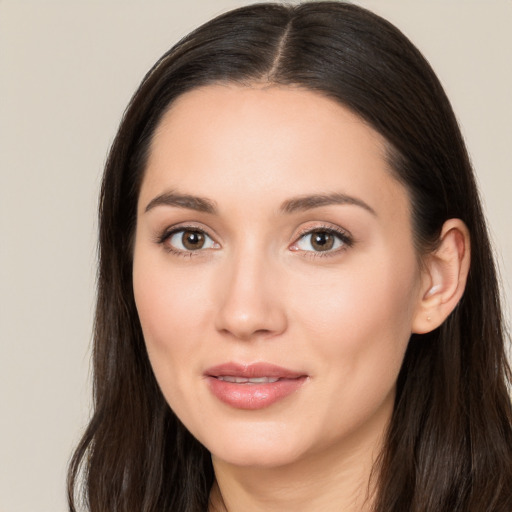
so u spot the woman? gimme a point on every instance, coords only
(297, 305)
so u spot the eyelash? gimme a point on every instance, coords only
(343, 236)
(170, 232)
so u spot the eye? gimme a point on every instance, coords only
(189, 240)
(322, 240)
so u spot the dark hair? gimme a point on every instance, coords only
(449, 444)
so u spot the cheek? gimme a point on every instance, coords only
(363, 315)
(359, 327)
(169, 307)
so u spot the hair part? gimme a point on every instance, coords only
(452, 423)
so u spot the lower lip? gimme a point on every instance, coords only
(253, 396)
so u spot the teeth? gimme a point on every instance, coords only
(252, 380)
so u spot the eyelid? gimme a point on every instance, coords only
(342, 234)
(163, 236)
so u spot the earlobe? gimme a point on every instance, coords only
(444, 277)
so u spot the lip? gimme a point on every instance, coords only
(252, 396)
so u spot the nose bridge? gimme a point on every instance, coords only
(250, 304)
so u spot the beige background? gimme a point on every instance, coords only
(67, 70)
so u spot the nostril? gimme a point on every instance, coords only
(246, 334)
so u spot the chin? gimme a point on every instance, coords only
(257, 457)
(265, 447)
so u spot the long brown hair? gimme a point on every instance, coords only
(449, 444)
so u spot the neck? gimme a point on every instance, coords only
(331, 481)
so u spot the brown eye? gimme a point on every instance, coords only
(189, 240)
(322, 240)
(192, 240)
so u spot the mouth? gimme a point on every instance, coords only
(253, 386)
(243, 380)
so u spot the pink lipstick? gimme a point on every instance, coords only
(252, 386)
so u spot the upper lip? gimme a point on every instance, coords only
(252, 370)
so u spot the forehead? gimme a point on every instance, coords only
(230, 142)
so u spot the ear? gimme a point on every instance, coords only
(443, 278)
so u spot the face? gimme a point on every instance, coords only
(274, 273)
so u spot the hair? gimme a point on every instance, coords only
(448, 447)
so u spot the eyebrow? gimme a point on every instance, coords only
(297, 204)
(200, 204)
(317, 200)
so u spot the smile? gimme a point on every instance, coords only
(253, 386)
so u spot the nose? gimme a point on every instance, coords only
(250, 304)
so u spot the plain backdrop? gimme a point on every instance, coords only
(67, 71)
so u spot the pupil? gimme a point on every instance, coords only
(193, 240)
(322, 241)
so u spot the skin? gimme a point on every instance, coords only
(259, 291)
